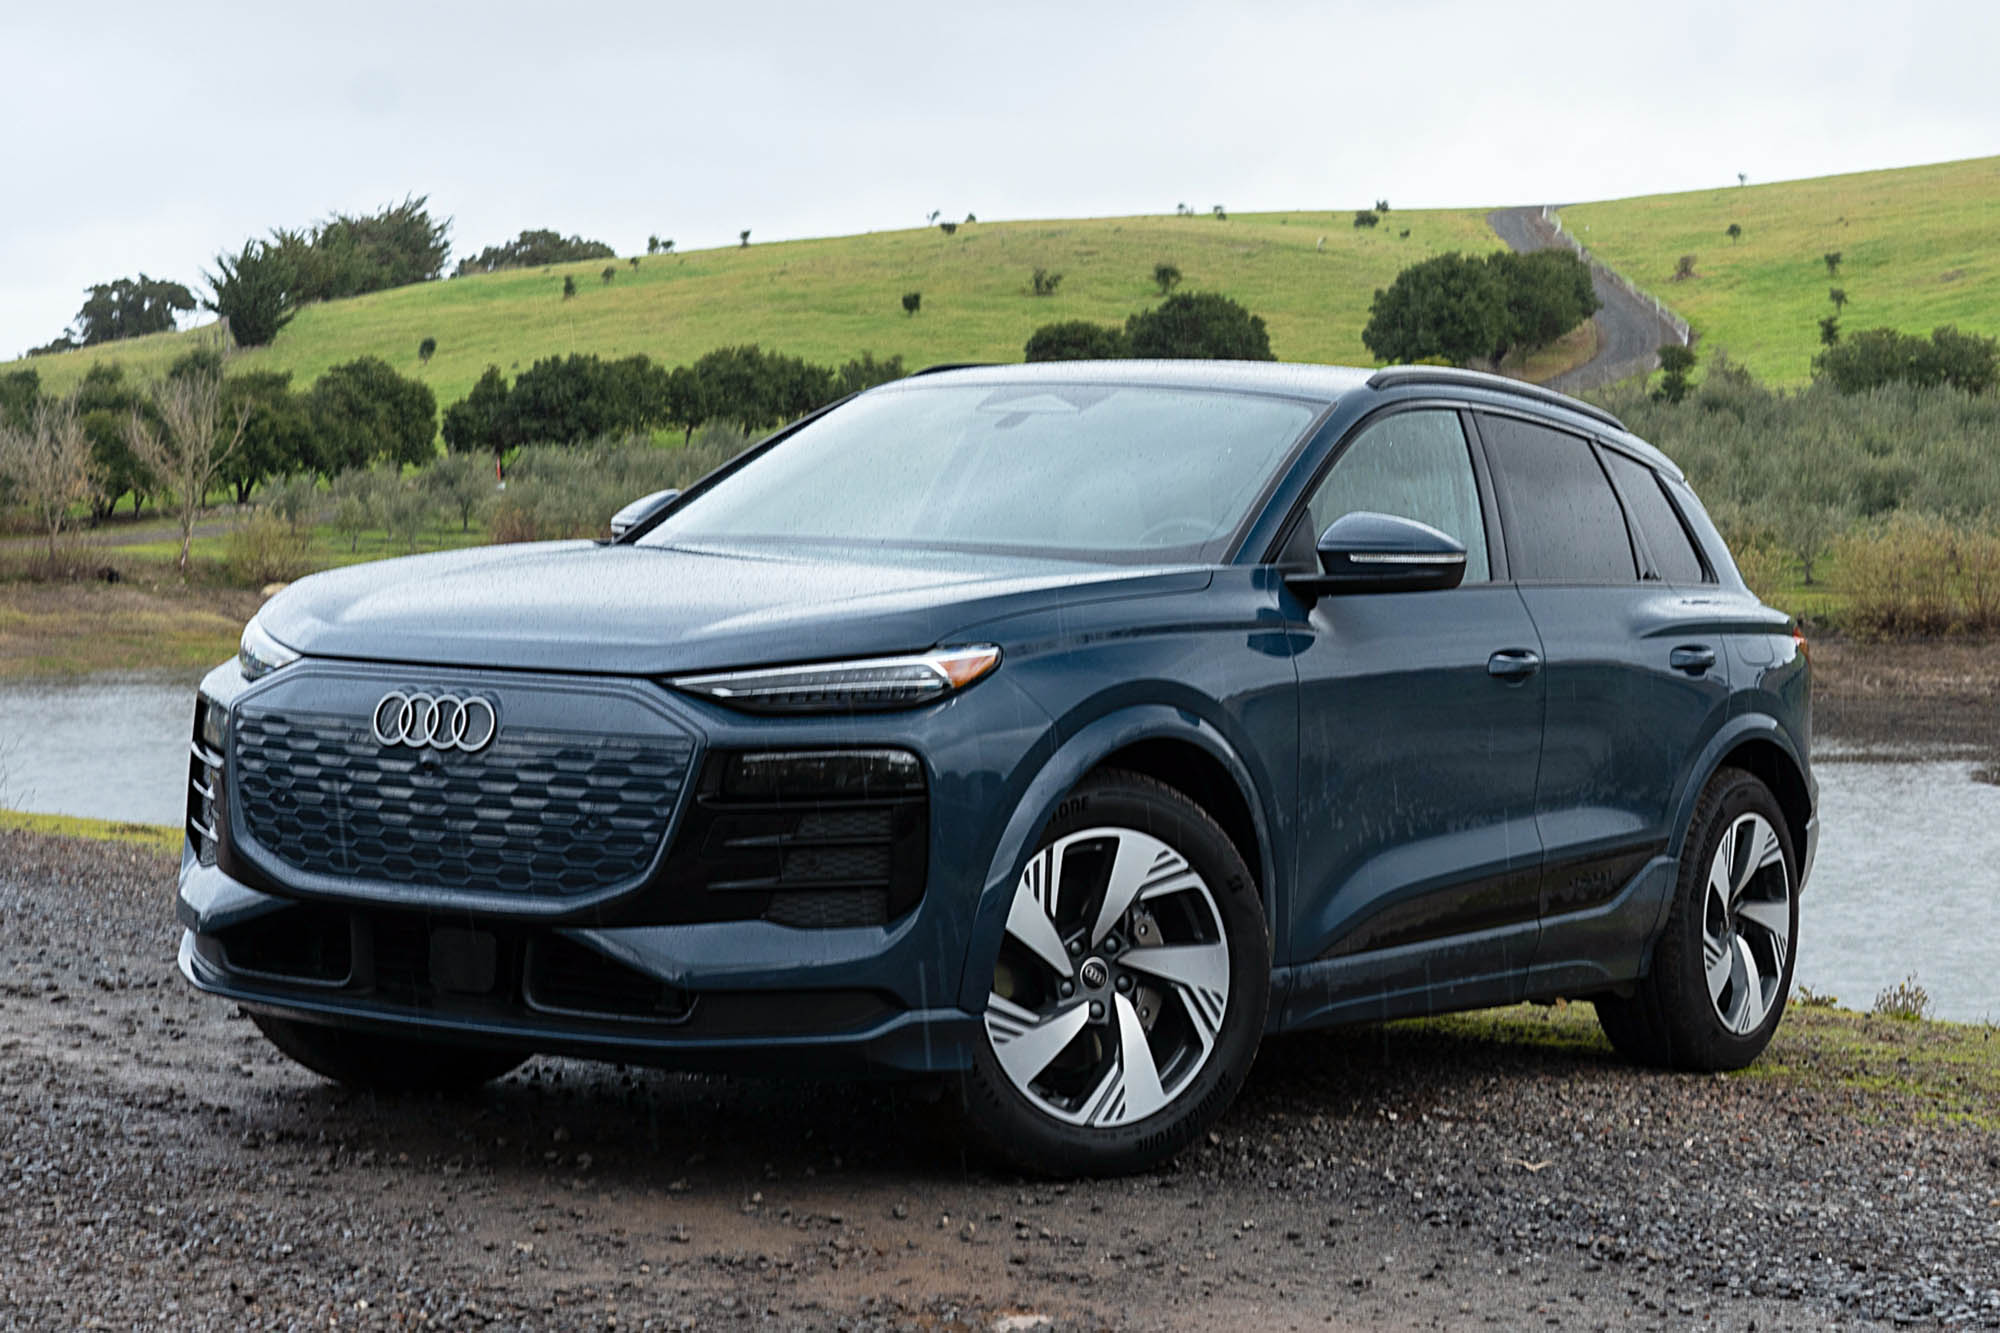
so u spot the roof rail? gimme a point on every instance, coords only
(943, 366)
(1397, 376)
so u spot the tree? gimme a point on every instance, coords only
(129, 308)
(1734, 231)
(187, 441)
(569, 286)
(19, 392)
(633, 261)
(253, 293)
(1829, 331)
(104, 401)
(1381, 205)
(1837, 295)
(667, 246)
(48, 468)
(459, 484)
(1675, 363)
(948, 228)
(743, 238)
(363, 411)
(537, 248)
(971, 218)
(1076, 340)
(1683, 268)
(610, 272)
(652, 245)
(1742, 178)
(912, 301)
(1450, 306)
(1366, 217)
(1832, 260)
(865, 372)
(480, 421)
(688, 405)
(1545, 293)
(1198, 326)
(277, 433)
(426, 350)
(1045, 282)
(349, 255)
(1166, 277)
(1220, 213)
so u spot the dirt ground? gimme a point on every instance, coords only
(161, 1167)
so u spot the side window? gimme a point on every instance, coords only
(1673, 553)
(1563, 520)
(1413, 465)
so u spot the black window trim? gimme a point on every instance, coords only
(1497, 565)
(1594, 444)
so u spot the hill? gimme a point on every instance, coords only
(1916, 244)
(830, 299)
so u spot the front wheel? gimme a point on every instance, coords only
(1130, 989)
(1723, 966)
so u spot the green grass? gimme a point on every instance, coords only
(1881, 1070)
(154, 837)
(828, 300)
(1916, 244)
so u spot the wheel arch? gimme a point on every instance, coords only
(1169, 744)
(1760, 747)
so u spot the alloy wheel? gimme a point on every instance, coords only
(1746, 923)
(1112, 981)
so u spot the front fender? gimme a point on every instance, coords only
(1072, 761)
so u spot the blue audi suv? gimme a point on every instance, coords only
(1058, 729)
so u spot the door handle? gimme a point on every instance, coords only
(1514, 663)
(1694, 658)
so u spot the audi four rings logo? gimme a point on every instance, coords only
(436, 721)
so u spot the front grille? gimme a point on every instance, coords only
(538, 812)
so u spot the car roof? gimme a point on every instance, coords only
(1325, 385)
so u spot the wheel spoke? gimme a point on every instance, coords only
(1025, 1049)
(1749, 1006)
(1721, 869)
(1200, 968)
(1773, 918)
(1134, 1092)
(1756, 843)
(1029, 922)
(1719, 961)
(1138, 861)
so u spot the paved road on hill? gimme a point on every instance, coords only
(1629, 330)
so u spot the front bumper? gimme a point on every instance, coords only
(625, 995)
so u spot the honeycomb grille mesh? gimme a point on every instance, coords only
(538, 813)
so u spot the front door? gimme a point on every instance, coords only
(1420, 722)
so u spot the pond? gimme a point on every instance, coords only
(1907, 884)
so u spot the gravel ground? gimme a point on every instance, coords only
(161, 1167)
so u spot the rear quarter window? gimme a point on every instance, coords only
(1564, 523)
(1666, 539)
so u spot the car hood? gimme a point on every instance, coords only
(628, 610)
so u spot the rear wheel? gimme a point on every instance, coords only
(386, 1064)
(1723, 966)
(1130, 989)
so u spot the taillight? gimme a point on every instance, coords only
(1799, 638)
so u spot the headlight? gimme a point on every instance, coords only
(260, 654)
(840, 687)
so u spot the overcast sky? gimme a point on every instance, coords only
(149, 136)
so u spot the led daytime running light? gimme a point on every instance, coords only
(831, 687)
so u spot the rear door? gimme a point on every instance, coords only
(1636, 678)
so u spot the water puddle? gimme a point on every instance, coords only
(1907, 882)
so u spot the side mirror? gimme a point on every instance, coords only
(639, 511)
(1363, 552)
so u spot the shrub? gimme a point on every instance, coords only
(1808, 998)
(912, 301)
(1832, 260)
(1676, 362)
(1683, 268)
(1734, 231)
(537, 249)
(1829, 331)
(948, 228)
(610, 272)
(426, 350)
(266, 549)
(1366, 217)
(1906, 1001)
(633, 261)
(294, 499)
(1166, 277)
(1877, 357)
(1450, 306)
(569, 286)
(1076, 340)
(1046, 282)
(1918, 574)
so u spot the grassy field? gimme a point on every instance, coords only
(1917, 247)
(831, 299)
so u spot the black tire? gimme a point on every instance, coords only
(1672, 1020)
(378, 1063)
(1019, 1128)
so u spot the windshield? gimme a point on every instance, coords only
(1092, 471)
